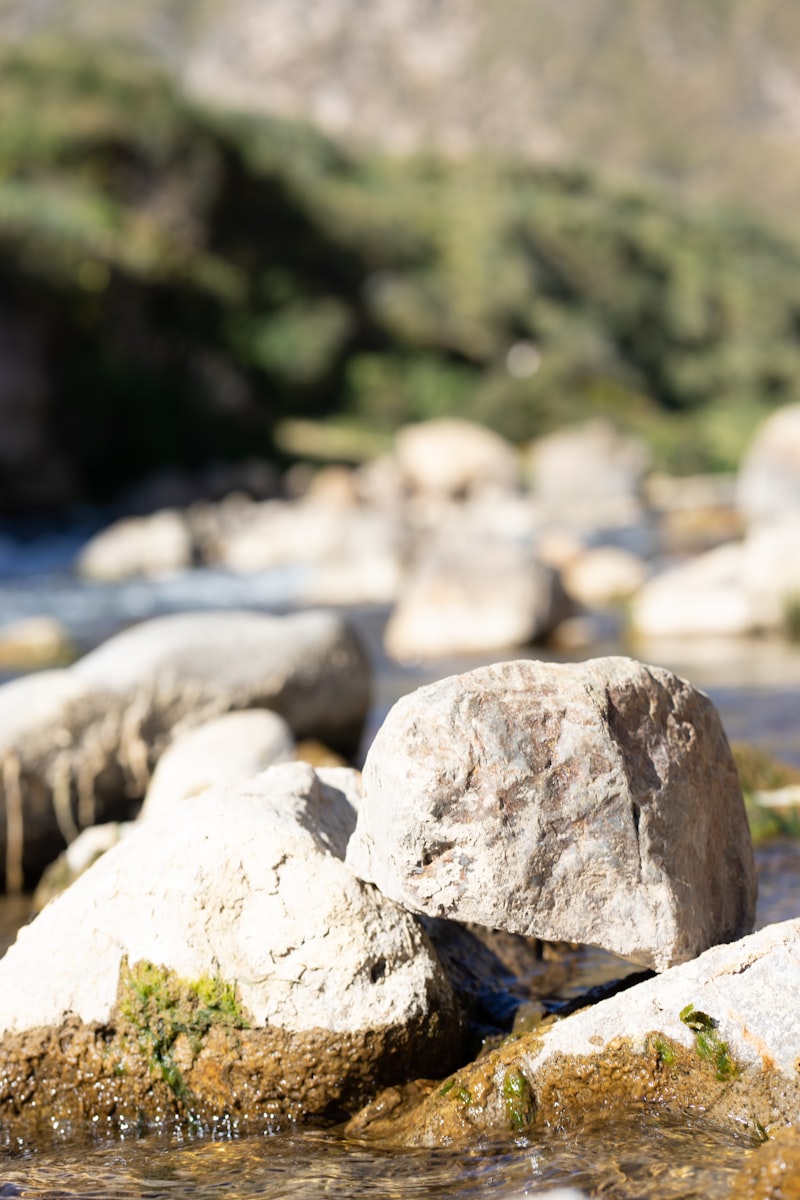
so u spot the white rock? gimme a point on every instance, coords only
(734, 590)
(453, 457)
(160, 544)
(768, 484)
(229, 749)
(78, 746)
(310, 667)
(592, 462)
(474, 594)
(602, 575)
(251, 888)
(595, 802)
(747, 987)
(705, 596)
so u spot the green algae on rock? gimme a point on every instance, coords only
(647, 1049)
(226, 969)
(162, 1007)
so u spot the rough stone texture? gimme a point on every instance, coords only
(453, 457)
(229, 749)
(78, 746)
(90, 844)
(595, 802)
(474, 594)
(635, 1050)
(768, 484)
(154, 545)
(252, 890)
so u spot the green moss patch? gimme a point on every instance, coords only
(519, 1100)
(710, 1046)
(161, 1008)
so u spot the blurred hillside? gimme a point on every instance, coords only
(704, 96)
(179, 281)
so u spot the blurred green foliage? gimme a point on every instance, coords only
(195, 278)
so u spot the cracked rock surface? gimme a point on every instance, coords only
(595, 802)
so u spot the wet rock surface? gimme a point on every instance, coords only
(719, 1035)
(227, 967)
(594, 802)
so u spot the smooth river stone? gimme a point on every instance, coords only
(595, 802)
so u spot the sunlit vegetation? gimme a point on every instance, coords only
(193, 279)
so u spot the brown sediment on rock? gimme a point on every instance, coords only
(772, 1171)
(102, 1078)
(504, 1094)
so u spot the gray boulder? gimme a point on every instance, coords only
(311, 986)
(79, 746)
(595, 802)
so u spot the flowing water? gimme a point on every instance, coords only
(757, 690)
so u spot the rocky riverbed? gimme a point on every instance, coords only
(271, 936)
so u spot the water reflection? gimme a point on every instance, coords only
(637, 1158)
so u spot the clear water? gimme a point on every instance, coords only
(757, 690)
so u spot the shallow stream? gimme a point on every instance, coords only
(757, 690)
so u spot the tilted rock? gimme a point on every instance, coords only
(719, 1036)
(595, 802)
(79, 746)
(228, 749)
(313, 985)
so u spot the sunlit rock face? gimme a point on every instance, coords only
(594, 802)
(223, 959)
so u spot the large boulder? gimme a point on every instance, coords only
(595, 802)
(79, 746)
(227, 967)
(718, 1036)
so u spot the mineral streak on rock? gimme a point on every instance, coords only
(594, 802)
